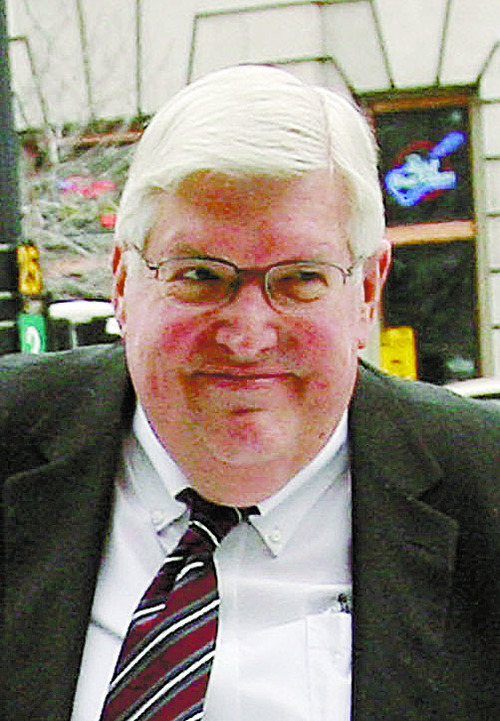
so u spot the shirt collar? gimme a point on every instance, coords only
(159, 479)
(280, 514)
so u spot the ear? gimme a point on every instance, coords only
(119, 278)
(375, 271)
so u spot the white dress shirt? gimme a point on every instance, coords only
(284, 641)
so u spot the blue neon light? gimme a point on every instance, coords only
(419, 176)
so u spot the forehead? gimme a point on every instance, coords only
(217, 214)
(222, 195)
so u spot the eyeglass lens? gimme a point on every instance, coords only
(206, 281)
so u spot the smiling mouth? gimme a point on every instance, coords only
(242, 394)
(242, 380)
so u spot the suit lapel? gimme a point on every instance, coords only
(403, 555)
(57, 518)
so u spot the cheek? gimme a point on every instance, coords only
(324, 345)
(329, 352)
(162, 335)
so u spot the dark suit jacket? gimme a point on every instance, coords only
(425, 536)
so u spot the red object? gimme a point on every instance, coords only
(88, 187)
(99, 187)
(108, 220)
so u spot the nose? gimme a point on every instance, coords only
(247, 326)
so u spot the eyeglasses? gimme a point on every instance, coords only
(210, 281)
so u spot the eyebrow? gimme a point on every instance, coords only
(181, 247)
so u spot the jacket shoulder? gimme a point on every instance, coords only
(431, 407)
(44, 377)
(460, 435)
(69, 394)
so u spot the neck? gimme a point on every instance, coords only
(238, 486)
(241, 484)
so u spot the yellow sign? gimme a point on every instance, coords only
(398, 355)
(30, 275)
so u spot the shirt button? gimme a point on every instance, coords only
(275, 535)
(157, 517)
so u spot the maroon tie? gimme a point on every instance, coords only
(164, 664)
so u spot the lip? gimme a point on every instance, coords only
(240, 380)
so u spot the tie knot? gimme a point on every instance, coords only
(213, 520)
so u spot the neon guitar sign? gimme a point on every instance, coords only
(421, 175)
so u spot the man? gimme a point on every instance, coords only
(248, 265)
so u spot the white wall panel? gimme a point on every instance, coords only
(351, 38)
(412, 33)
(165, 36)
(493, 234)
(287, 32)
(489, 86)
(51, 29)
(219, 41)
(27, 104)
(495, 297)
(324, 73)
(259, 36)
(492, 176)
(111, 45)
(491, 129)
(496, 351)
(474, 27)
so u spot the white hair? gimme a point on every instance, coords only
(255, 121)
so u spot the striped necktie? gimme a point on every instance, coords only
(164, 664)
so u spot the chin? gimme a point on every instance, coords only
(250, 441)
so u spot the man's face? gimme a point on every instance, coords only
(245, 387)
